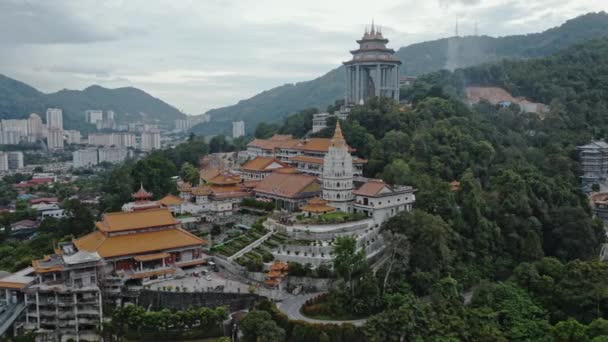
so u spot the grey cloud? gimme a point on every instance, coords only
(45, 22)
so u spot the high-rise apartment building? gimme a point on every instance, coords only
(54, 118)
(15, 160)
(93, 115)
(84, 158)
(35, 127)
(238, 129)
(55, 139)
(150, 140)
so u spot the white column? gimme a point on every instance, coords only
(27, 317)
(8, 295)
(100, 308)
(75, 302)
(396, 76)
(357, 84)
(37, 311)
(378, 81)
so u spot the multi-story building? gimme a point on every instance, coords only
(14, 131)
(260, 168)
(373, 70)
(62, 294)
(288, 188)
(319, 120)
(381, 201)
(92, 116)
(72, 136)
(594, 162)
(219, 193)
(15, 160)
(190, 121)
(306, 155)
(238, 129)
(113, 155)
(107, 121)
(54, 118)
(84, 158)
(4, 161)
(64, 301)
(150, 140)
(35, 127)
(122, 139)
(55, 138)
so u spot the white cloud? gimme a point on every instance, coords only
(202, 54)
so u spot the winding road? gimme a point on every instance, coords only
(291, 307)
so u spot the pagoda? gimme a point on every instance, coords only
(338, 173)
(142, 200)
(373, 70)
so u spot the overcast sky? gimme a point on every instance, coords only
(198, 55)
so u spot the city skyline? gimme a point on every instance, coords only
(203, 61)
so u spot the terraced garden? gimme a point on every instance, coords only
(234, 245)
(254, 260)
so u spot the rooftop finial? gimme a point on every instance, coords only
(373, 28)
(338, 138)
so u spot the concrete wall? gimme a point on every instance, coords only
(158, 300)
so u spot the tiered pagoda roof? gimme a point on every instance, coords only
(141, 194)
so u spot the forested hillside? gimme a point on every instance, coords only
(516, 235)
(274, 104)
(18, 100)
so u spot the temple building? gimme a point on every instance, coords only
(62, 294)
(373, 70)
(338, 173)
(143, 245)
(219, 193)
(260, 167)
(306, 155)
(288, 188)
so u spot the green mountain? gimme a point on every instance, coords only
(18, 99)
(456, 52)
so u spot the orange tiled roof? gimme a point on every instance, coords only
(319, 160)
(202, 190)
(141, 193)
(41, 269)
(286, 170)
(276, 141)
(225, 178)
(12, 285)
(171, 200)
(261, 163)
(250, 184)
(208, 173)
(288, 185)
(370, 188)
(120, 221)
(279, 266)
(147, 242)
(318, 145)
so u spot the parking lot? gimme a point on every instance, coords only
(200, 284)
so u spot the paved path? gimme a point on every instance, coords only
(291, 307)
(9, 316)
